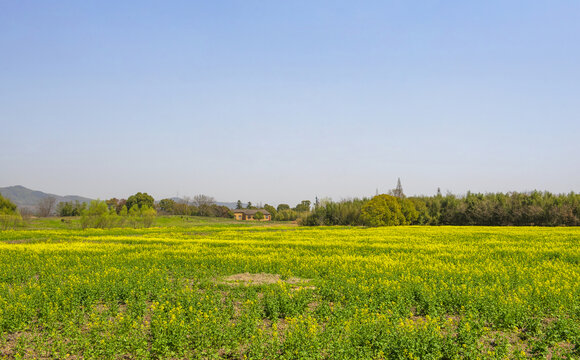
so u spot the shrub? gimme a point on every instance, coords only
(382, 210)
(9, 216)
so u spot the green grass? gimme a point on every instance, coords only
(72, 222)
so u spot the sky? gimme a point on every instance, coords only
(280, 101)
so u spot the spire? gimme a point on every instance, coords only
(398, 192)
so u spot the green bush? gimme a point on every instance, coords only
(383, 210)
(9, 216)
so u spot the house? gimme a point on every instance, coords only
(248, 214)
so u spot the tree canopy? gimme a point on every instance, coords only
(383, 210)
(140, 199)
(6, 206)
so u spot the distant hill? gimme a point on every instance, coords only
(25, 198)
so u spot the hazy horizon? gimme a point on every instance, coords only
(283, 101)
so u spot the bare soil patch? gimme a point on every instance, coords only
(247, 279)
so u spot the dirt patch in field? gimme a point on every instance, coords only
(20, 241)
(248, 279)
(10, 343)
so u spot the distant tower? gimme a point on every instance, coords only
(398, 192)
(377, 192)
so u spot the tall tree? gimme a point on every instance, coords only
(140, 199)
(46, 206)
(239, 205)
(304, 206)
(203, 200)
(282, 207)
(272, 210)
(167, 205)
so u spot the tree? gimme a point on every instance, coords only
(120, 204)
(304, 206)
(259, 215)
(9, 216)
(140, 199)
(148, 215)
(96, 215)
(282, 207)
(286, 215)
(46, 206)
(382, 210)
(64, 208)
(112, 203)
(134, 216)
(167, 205)
(123, 215)
(409, 211)
(7, 205)
(239, 205)
(199, 200)
(205, 210)
(222, 211)
(272, 210)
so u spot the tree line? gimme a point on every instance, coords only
(534, 208)
(99, 215)
(283, 212)
(199, 205)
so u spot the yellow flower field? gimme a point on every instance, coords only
(298, 293)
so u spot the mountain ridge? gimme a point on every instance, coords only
(26, 198)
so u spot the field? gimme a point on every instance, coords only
(225, 290)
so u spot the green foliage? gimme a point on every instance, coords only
(382, 210)
(346, 212)
(9, 216)
(99, 215)
(167, 206)
(286, 215)
(140, 199)
(258, 215)
(6, 205)
(272, 210)
(134, 216)
(304, 206)
(209, 210)
(409, 211)
(281, 301)
(69, 208)
(496, 209)
(148, 214)
(282, 207)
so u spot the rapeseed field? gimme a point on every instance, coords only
(226, 291)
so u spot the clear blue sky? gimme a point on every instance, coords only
(278, 101)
